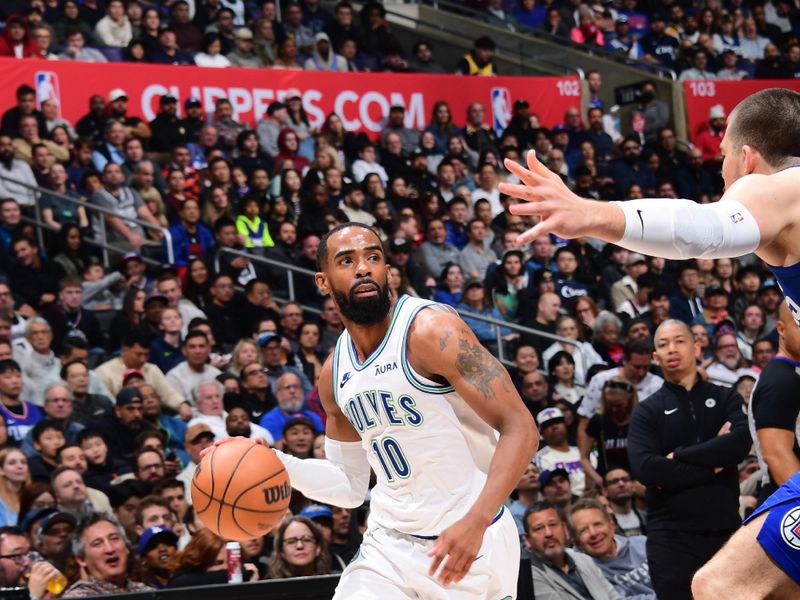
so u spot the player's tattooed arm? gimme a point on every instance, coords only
(479, 368)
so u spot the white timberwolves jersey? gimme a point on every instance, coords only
(429, 449)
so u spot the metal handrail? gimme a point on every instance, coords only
(102, 222)
(522, 29)
(292, 269)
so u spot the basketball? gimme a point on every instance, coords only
(240, 490)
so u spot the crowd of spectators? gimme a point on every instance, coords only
(114, 377)
(221, 33)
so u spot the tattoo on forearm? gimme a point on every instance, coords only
(479, 368)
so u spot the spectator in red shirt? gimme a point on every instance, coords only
(708, 140)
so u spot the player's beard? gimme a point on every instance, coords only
(364, 311)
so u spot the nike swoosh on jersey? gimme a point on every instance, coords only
(669, 412)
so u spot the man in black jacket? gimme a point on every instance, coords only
(684, 443)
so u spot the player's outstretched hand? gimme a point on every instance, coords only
(546, 195)
(260, 441)
(457, 547)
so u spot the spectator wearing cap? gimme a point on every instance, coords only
(770, 298)
(290, 397)
(166, 127)
(126, 424)
(298, 436)
(199, 436)
(135, 350)
(479, 60)
(684, 443)
(715, 307)
(623, 560)
(625, 289)
(639, 305)
(558, 571)
(323, 58)
(192, 123)
(730, 70)
(270, 127)
(102, 551)
(114, 29)
(557, 489)
(708, 141)
(20, 416)
(53, 540)
(623, 42)
(243, 54)
(659, 48)
(698, 71)
(157, 549)
(556, 452)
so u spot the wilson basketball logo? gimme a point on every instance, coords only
(276, 493)
(790, 528)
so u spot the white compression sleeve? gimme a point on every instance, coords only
(680, 229)
(341, 479)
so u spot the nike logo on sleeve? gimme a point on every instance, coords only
(641, 220)
(669, 412)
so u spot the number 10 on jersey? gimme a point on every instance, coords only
(393, 461)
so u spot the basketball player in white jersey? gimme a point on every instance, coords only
(411, 393)
(759, 212)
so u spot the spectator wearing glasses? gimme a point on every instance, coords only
(607, 431)
(300, 550)
(16, 560)
(619, 487)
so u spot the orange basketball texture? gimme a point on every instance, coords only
(240, 490)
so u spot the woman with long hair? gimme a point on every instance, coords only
(724, 274)
(127, 319)
(245, 352)
(585, 312)
(607, 431)
(72, 254)
(475, 300)
(264, 41)
(204, 561)
(310, 334)
(561, 368)
(399, 283)
(298, 118)
(300, 550)
(582, 351)
(429, 206)
(14, 476)
(442, 126)
(218, 205)
(291, 184)
(287, 56)
(451, 285)
(196, 283)
(289, 148)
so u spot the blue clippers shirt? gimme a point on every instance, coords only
(780, 531)
(789, 281)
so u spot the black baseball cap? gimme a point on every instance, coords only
(129, 396)
(399, 245)
(275, 106)
(193, 103)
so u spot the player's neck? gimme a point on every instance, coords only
(368, 337)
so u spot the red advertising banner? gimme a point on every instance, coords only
(362, 100)
(702, 95)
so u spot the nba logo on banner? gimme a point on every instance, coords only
(47, 89)
(501, 109)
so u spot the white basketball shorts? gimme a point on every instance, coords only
(394, 566)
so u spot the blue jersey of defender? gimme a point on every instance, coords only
(789, 280)
(780, 531)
